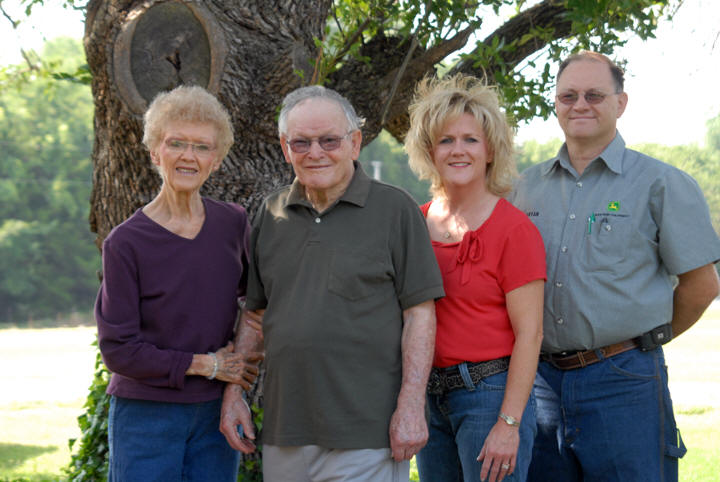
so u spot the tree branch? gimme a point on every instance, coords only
(548, 14)
(29, 62)
(14, 23)
(403, 66)
(428, 59)
(349, 43)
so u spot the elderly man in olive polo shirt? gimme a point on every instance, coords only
(344, 267)
(617, 226)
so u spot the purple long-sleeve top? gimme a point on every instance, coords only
(164, 298)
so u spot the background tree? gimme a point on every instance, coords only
(703, 164)
(47, 262)
(394, 168)
(255, 52)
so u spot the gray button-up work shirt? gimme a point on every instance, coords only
(613, 236)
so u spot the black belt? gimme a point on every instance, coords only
(445, 379)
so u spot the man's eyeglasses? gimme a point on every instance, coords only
(177, 146)
(327, 143)
(591, 97)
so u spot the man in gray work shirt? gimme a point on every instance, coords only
(617, 226)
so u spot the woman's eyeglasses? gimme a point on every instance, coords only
(177, 146)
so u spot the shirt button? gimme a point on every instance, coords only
(317, 220)
(564, 249)
(579, 184)
(558, 284)
(572, 216)
(559, 321)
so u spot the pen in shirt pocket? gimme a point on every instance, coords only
(591, 220)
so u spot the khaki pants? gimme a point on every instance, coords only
(311, 463)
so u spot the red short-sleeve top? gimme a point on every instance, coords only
(505, 253)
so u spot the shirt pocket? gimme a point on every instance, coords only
(356, 273)
(607, 242)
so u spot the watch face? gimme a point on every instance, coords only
(509, 420)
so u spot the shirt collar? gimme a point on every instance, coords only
(612, 156)
(356, 193)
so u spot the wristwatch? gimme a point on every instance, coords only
(512, 421)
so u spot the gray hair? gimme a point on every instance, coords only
(298, 96)
(187, 103)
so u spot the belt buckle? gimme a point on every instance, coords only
(552, 358)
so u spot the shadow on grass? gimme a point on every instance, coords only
(14, 455)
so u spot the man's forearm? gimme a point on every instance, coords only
(695, 291)
(247, 339)
(418, 345)
(408, 429)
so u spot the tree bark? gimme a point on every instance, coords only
(266, 43)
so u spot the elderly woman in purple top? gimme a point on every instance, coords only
(172, 275)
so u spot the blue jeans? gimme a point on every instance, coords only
(609, 421)
(460, 421)
(158, 441)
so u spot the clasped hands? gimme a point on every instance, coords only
(238, 368)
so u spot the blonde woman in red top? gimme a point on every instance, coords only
(489, 325)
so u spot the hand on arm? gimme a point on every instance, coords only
(239, 368)
(525, 306)
(235, 410)
(254, 320)
(408, 427)
(695, 291)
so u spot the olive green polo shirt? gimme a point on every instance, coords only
(613, 237)
(335, 286)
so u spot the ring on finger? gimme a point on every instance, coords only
(505, 466)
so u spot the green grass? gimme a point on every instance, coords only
(50, 370)
(693, 361)
(44, 381)
(701, 433)
(35, 437)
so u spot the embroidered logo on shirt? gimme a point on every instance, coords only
(614, 206)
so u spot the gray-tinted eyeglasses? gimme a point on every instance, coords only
(327, 143)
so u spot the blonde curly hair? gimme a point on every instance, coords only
(438, 100)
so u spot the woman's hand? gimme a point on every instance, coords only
(499, 452)
(237, 368)
(232, 367)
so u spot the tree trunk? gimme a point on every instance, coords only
(266, 42)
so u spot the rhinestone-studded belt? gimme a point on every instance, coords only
(445, 379)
